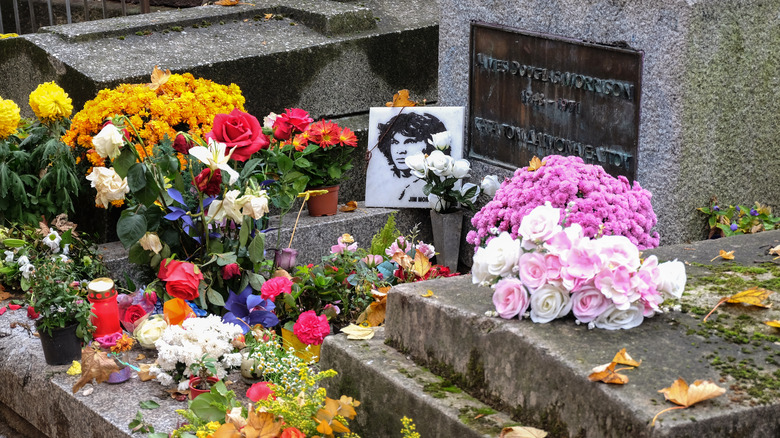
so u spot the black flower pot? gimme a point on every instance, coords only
(62, 347)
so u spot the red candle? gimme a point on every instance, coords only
(102, 295)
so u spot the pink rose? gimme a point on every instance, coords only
(618, 251)
(292, 120)
(240, 132)
(230, 271)
(310, 328)
(533, 269)
(510, 298)
(541, 223)
(275, 286)
(616, 285)
(553, 264)
(588, 303)
(259, 391)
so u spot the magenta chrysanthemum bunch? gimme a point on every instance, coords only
(592, 197)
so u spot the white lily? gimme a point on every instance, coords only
(215, 158)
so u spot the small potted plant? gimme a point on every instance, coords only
(65, 313)
(204, 373)
(442, 175)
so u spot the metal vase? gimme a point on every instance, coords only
(446, 237)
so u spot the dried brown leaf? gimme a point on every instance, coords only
(401, 98)
(349, 206)
(522, 432)
(95, 364)
(682, 394)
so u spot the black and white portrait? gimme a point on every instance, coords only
(399, 132)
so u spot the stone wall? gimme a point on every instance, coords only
(710, 97)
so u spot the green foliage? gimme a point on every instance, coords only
(38, 174)
(385, 237)
(138, 425)
(734, 220)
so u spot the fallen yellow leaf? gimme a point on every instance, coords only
(428, 294)
(624, 358)
(752, 297)
(775, 251)
(143, 374)
(358, 332)
(608, 374)
(226, 2)
(724, 255)
(522, 432)
(159, 78)
(684, 396)
(421, 264)
(401, 98)
(775, 323)
(535, 164)
(349, 206)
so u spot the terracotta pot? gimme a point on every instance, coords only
(324, 205)
(194, 381)
(62, 347)
(290, 340)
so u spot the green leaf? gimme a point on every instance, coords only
(137, 255)
(160, 435)
(284, 163)
(123, 162)
(136, 177)
(149, 404)
(302, 163)
(215, 298)
(153, 216)
(243, 234)
(334, 172)
(256, 248)
(130, 228)
(225, 259)
(289, 300)
(206, 408)
(255, 280)
(427, 189)
(249, 167)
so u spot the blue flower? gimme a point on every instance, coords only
(733, 228)
(247, 310)
(716, 208)
(753, 212)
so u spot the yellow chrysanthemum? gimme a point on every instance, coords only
(50, 102)
(9, 118)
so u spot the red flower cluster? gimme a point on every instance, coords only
(181, 278)
(294, 119)
(230, 271)
(310, 328)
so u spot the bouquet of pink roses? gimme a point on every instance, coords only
(555, 269)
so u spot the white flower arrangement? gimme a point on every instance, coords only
(186, 344)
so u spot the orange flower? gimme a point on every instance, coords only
(300, 141)
(348, 138)
(325, 133)
(176, 311)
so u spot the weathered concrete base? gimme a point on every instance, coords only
(390, 386)
(538, 372)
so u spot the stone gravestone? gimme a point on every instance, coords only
(710, 92)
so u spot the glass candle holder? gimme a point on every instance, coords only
(102, 295)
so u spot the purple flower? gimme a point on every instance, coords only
(733, 227)
(753, 212)
(247, 310)
(716, 208)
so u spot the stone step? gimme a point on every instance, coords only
(538, 373)
(390, 386)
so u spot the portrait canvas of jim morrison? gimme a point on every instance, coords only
(395, 133)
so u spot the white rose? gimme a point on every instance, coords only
(268, 121)
(228, 207)
(149, 331)
(549, 302)
(151, 242)
(490, 185)
(614, 319)
(541, 223)
(502, 254)
(254, 206)
(672, 279)
(468, 186)
(479, 269)
(110, 187)
(108, 141)
(417, 165)
(439, 163)
(441, 140)
(437, 204)
(460, 168)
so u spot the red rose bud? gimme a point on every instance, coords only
(230, 271)
(14, 306)
(31, 313)
(208, 182)
(182, 145)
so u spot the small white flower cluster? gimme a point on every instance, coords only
(188, 343)
(25, 267)
(281, 368)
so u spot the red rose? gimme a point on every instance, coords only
(310, 328)
(259, 391)
(230, 271)
(292, 432)
(275, 286)
(31, 313)
(181, 278)
(241, 132)
(133, 313)
(182, 145)
(208, 181)
(295, 118)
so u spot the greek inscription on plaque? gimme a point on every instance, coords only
(538, 95)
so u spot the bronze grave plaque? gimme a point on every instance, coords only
(538, 95)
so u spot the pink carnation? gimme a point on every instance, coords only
(310, 328)
(275, 286)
